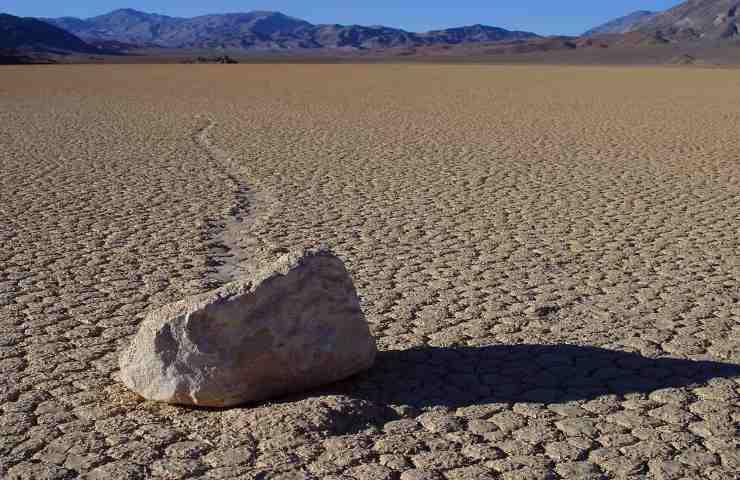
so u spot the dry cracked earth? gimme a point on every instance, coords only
(547, 256)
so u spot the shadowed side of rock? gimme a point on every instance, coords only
(294, 326)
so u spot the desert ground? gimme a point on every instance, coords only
(547, 257)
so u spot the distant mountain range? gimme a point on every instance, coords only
(690, 21)
(262, 30)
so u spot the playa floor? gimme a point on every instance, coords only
(547, 256)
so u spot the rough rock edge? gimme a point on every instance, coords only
(157, 320)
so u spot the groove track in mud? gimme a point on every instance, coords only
(234, 249)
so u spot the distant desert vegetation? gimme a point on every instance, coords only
(529, 245)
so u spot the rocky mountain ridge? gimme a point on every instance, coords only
(692, 20)
(696, 20)
(263, 30)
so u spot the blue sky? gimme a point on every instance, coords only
(540, 16)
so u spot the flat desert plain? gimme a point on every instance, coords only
(547, 256)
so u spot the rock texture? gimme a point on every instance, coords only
(295, 326)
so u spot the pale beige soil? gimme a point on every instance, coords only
(515, 233)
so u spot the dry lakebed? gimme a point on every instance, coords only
(547, 257)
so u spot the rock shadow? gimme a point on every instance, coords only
(463, 376)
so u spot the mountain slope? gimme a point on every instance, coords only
(622, 24)
(697, 19)
(691, 20)
(17, 33)
(263, 30)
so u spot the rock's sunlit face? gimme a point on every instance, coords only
(547, 257)
(294, 327)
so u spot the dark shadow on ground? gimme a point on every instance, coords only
(462, 376)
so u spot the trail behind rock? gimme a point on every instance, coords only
(234, 249)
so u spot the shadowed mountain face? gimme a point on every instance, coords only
(31, 34)
(622, 24)
(263, 30)
(691, 20)
(457, 377)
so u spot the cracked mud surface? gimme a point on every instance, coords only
(547, 256)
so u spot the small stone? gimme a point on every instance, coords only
(295, 326)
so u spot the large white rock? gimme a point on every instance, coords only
(295, 326)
